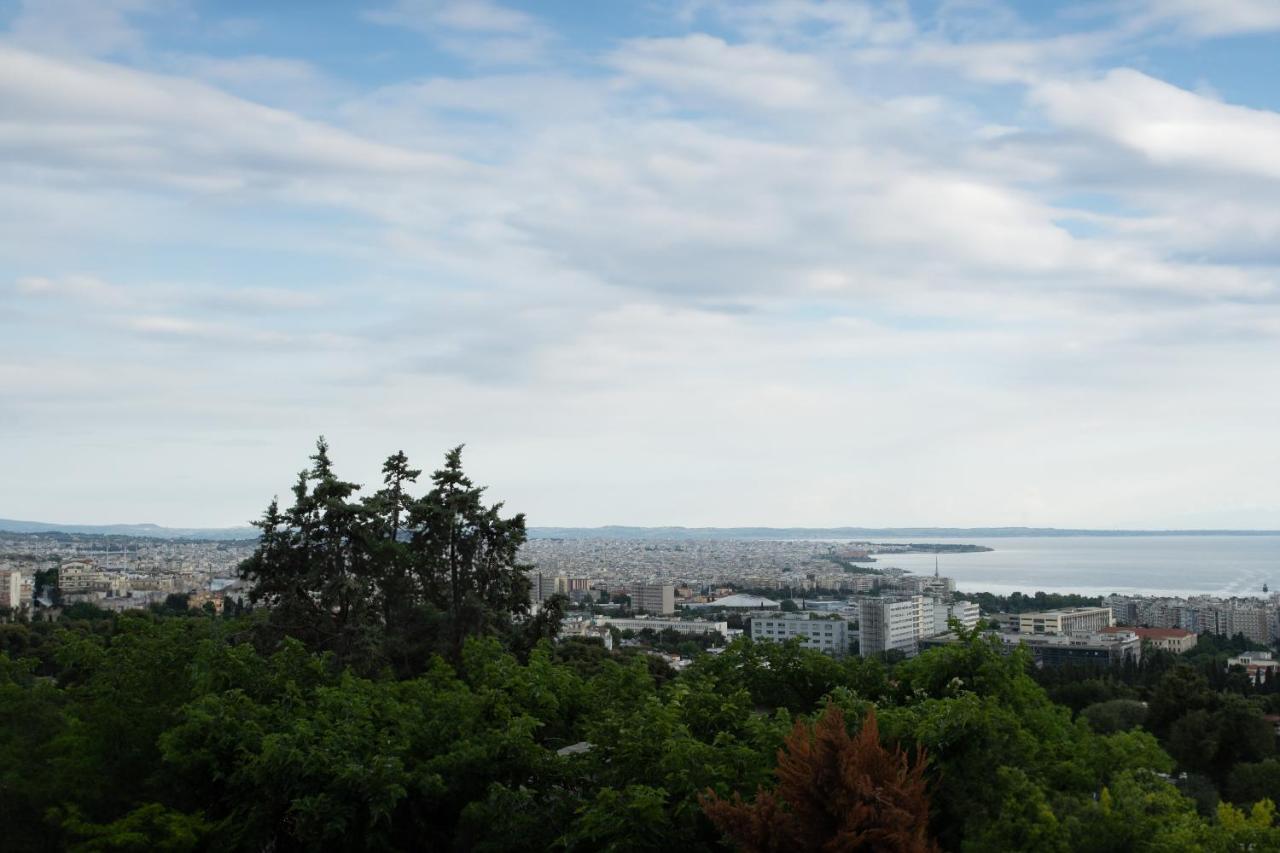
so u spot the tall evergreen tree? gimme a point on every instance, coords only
(389, 578)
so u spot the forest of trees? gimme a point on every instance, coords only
(389, 690)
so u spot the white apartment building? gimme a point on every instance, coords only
(894, 623)
(964, 612)
(659, 598)
(827, 635)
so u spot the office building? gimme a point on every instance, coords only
(824, 634)
(1105, 649)
(659, 598)
(964, 612)
(1074, 620)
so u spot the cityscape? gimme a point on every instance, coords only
(677, 426)
(830, 596)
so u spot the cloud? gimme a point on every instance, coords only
(1219, 18)
(74, 287)
(847, 22)
(822, 258)
(95, 27)
(479, 31)
(1167, 125)
(743, 74)
(114, 126)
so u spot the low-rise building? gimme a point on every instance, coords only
(1176, 640)
(1109, 649)
(1261, 667)
(680, 626)
(1072, 620)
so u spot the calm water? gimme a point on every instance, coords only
(1097, 565)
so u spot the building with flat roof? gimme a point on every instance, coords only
(15, 589)
(658, 598)
(887, 624)
(1107, 649)
(1072, 620)
(964, 612)
(680, 626)
(824, 634)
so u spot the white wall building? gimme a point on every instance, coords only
(964, 612)
(894, 623)
(681, 626)
(827, 635)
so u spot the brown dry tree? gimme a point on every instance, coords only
(835, 794)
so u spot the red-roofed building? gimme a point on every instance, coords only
(1176, 640)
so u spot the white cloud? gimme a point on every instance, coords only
(749, 264)
(480, 31)
(1217, 18)
(95, 27)
(743, 74)
(113, 125)
(1167, 125)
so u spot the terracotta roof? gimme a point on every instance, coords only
(1152, 633)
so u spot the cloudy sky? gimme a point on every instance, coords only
(957, 262)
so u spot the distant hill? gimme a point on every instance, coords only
(859, 533)
(648, 533)
(154, 531)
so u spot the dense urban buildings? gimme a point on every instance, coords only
(1255, 618)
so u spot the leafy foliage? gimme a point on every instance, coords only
(390, 691)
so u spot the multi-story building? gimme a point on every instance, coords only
(657, 598)
(542, 587)
(1073, 620)
(15, 589)
(1253, 621)
(964, 612)
(893, 623)
(1255, 618)
(825, 634)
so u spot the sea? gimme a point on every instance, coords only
(1220, 565)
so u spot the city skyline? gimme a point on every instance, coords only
(698, 263)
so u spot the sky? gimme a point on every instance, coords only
(697, 262)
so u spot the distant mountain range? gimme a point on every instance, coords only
(859, 533)
(154, 531)
(648, 533)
